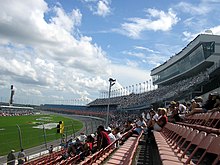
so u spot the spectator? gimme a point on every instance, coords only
(140, 125)
(118, 135)
(181, 108)
(51, 149)
(110, 135)
(197, 106)
(82, 137)
(90, 143)
(22, 157)
(217, 103)
(103, 139)
(162, 120)
(153, 116)
(11, 158)
(174, 117)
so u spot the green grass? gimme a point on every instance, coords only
(30, 137)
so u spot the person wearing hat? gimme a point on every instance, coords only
(11, 158)
(209, 104)
(110, 134)
(22, 157)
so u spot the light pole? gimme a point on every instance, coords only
(111, 83)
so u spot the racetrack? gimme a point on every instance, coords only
(90, 126)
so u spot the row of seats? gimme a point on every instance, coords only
(52, 158)
(208, 122)
(211, 119)
(178, 144)
(115, 155)
(125, 154)
(97, 158)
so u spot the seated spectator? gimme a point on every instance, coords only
(74, 148)
(217, 103)
(103, 139)
(118, 135)
(153, 116)
(139, 126)
(174, 117)
(181, 108)
(111, 135)
(82, 137)
(90, 143)
(209, 104)
(162, 120)
(128, 126)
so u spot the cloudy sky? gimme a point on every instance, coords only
(61, 51)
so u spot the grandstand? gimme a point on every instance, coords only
(200, 58)
(193, 71)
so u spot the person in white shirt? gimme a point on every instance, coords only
(118, 135)
(82, 137)
(181, 108)
(140, 125)
(111, 136)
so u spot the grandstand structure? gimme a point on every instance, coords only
(200, 58)
(194, 71)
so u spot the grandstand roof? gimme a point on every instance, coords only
(200, 38)
(197, 56)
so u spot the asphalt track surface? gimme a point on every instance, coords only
(90, 125)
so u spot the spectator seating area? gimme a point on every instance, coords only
(111, 154)
(208, 122)
(195, 141)
(137, 99)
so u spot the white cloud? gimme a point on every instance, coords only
(188, 36)
(99, 7)
(134, 54)
(146, 55)
(30, 92)
(130, 74)
(156, 21)
(215, 30)
(197, 9)
(146, 49)
(48, 54)
(103, 8)
(67, 22)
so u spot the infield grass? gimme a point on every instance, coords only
(30, 137)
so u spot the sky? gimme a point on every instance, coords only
(64, 51)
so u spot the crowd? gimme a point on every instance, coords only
(162, 93)
(121, 127)
(15, 113)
